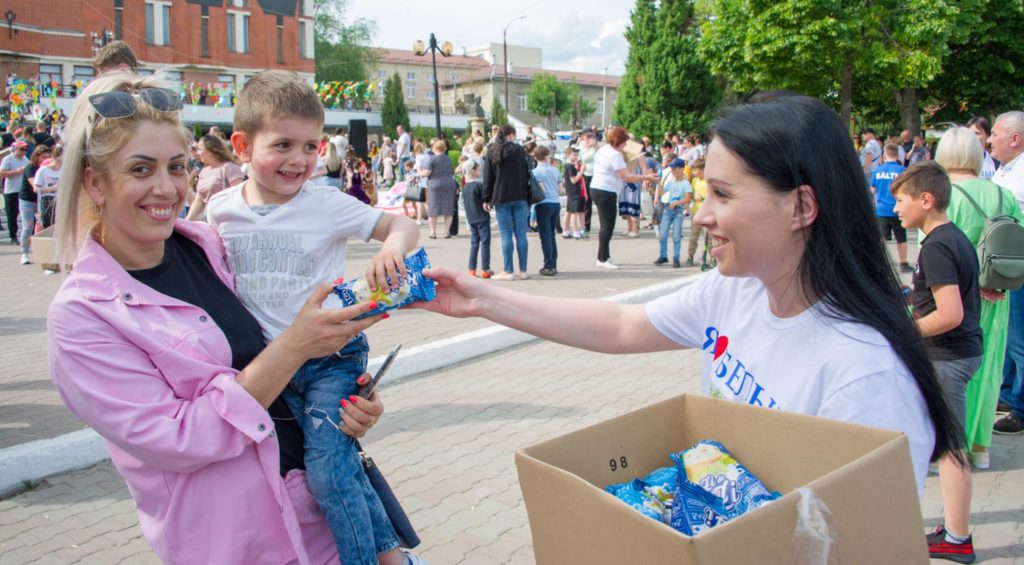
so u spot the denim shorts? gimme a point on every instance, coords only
(953, 376)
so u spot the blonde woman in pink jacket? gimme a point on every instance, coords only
(149, 345)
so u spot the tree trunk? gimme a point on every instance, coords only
(910, 112)
(846, 93)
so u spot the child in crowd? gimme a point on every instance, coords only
(881, 180)
(575, 194)
(388, 169)
(409, 206)
(478, 216)
(284, 237)
(547, 210)
(700, 192)
(675, 195)
(947, 307)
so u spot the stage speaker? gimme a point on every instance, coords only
(357, 138)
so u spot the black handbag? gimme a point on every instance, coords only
(536, 190)
(407, 537)
(415, 192)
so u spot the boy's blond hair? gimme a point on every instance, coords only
(926, 176)
(275, 94)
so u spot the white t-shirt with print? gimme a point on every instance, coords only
(606, 161)
(279, 259)
(807, 363)
(46, 177)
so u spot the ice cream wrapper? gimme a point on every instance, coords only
(633, 493)
(713, 488)
(414, 287)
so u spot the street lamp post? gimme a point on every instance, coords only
(504, 56)
(445, 49)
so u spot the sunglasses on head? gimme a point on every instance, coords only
(121, 104)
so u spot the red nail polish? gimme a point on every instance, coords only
(372, 305)
(341, 403)
(385, 316)
(344, 404)
(339, 280)
(354, 399)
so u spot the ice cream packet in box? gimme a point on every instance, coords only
(634, 494)
(414, 287)
(713, 488)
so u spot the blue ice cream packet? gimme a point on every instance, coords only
(633, 493)
(661, 483)
(713, 488)
(414, 287)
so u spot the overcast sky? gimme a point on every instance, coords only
(574, 34)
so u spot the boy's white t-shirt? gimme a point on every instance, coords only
(809, 363)
(278, 260)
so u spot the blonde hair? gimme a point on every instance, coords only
(439, 146)
(275, 94)
(960, 150)
(219, 148)
(333, 160)
(418, 148)
(92, 141)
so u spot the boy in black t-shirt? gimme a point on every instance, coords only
(947, 308)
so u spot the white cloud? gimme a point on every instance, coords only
(573, 35)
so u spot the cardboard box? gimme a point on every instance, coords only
(44, 249)
(631, 153)
(863, 475)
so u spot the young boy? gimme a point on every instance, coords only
(700, 192)
(881, 180)
(479, 219)
(675, 195)
(285, 237)
(575, 194)
(946, 301)
(410, 177)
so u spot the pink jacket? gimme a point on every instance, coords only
(152, 376)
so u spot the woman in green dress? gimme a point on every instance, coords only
(961, 154)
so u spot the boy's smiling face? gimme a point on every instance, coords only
(281, 157)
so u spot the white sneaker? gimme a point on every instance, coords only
(566, 234)
(503, 276)
(25, 260)
(521, 276)
(413, 559)
(980, 460)
(607, 264)
(632, 234)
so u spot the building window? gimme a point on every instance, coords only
(600, 106)
(302, 40)
(240, 3)
(522, 101)
(118, 18)
(306, 8)
(410, 76)
(411, 90)
(430, 77)
(173, 76)
(158, 23)
(50, 73)
(430, 94)
(84, 74)
(238, 32)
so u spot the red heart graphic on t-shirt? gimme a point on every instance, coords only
(720, 346)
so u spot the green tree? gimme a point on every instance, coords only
(580, 109)
(879, 52)
(498, 116)
(342, 52)
(982, 74)
(394, 113)
(630, 105)
(548, 97)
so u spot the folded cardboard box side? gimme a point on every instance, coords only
(863, 475)
(44, 249)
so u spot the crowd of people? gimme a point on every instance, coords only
(226, 246)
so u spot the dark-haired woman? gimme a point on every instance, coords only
(220, 171)
(804, 312)
(506, 182)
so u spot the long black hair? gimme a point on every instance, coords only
(497, 150)
(790, 140)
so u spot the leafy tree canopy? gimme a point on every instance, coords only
(342, 49)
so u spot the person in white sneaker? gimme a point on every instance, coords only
(610, 176)
(787, 321)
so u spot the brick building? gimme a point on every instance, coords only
(201, 41)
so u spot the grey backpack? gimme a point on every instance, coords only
(1000, 248)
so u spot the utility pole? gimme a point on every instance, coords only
(504, 57)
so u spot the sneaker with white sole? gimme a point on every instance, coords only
(414, 559)
(607, 264)
(980, 460)
(25, 259)
(521, 276)
(503, 276)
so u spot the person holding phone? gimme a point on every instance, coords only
(150, 346)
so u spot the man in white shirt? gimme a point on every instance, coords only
(402, 150)
(871, 154)
(340, 141)
(12, 171)
(1007, 142)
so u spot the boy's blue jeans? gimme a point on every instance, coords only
(512, 217)
(1012, 390)
(480, 244)
(547, 222)
(334, 471)
(671, 219)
